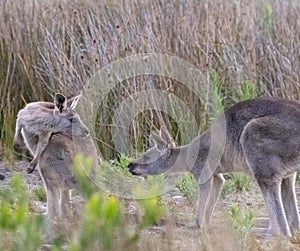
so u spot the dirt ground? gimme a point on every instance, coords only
(176, 233)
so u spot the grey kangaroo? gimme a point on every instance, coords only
(262, 139)
(56, 160)
(44, 118)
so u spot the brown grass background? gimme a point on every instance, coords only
(51, 46)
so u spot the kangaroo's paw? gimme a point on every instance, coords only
(194, 225)
(31, 168)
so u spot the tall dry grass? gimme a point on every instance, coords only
(58, 45)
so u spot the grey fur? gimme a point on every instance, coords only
(55, 161)
(262, 139)
(43, 119)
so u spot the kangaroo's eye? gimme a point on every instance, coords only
(71, 120)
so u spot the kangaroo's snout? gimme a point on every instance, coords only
(133, 168)
(86, 132)
(80, 130)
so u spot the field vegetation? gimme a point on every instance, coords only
(244, 49)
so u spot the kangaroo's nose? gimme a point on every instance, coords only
(134, 169)
(87, 132)
(130, 166)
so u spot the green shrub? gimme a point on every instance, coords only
(241, 222)
(121, 163)
(246, 90)
(187, 185)
(236, 182)
(82, 168)
(100, 224)
(19, 230)
(39, 194)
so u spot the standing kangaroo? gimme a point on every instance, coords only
(56, 160)
(43, 119)
(262, 139)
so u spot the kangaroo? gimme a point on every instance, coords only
(56, 160)
(262, 139)
(43, 119)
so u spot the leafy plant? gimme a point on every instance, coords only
(100, 224)
(246, 90)
(19, 230)
(121, 163)
(39, 194)
(83, 167)
(266, 12)
(236, 182)
(187, 186)
(241, 222)
(151, 207)
(217, 98)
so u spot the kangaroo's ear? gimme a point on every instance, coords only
(72, 102)
(157, 140)
(60, 102)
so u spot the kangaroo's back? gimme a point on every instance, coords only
(240, 114)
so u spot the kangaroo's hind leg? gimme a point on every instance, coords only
(65, 205)
(264, 144)
(272, 197)
(53, 210)
(289, 201)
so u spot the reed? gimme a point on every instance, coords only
(59, 45)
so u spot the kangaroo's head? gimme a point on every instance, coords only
(157, 159)
(68, 120)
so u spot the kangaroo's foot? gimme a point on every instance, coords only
(261, 232)
(196, 226)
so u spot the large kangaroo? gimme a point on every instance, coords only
(43, 119)
(262, 139)
(56, 160)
